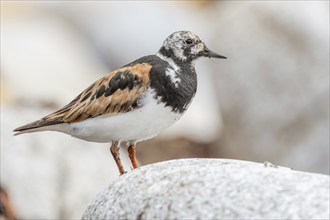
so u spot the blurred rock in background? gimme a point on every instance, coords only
(274, 90)
(6, 208)
(268, 102)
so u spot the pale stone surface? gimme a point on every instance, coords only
(213, 189)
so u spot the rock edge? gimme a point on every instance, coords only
(213, 189)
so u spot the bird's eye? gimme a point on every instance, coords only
(189, 41)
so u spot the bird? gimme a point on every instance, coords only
(135, 102)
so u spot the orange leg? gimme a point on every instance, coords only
(131, 154)
(114, 149)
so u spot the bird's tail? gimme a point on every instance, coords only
(39, 125)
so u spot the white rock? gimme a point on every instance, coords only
(213, 189)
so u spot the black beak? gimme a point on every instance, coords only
(209, 53)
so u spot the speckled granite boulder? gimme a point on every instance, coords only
(213, 189)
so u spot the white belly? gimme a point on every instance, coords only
(139, 124)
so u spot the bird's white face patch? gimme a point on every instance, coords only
(197, 48)
(179, 53)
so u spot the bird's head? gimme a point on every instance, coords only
(185, 46)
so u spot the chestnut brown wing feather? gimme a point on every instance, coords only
(117, 92)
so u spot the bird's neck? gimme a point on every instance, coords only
(176, 85)
(176, 63)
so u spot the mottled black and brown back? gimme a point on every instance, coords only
(116, 92)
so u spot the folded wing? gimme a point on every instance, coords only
(117, 92)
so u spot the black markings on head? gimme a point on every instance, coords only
(166, 52)
(187, 53)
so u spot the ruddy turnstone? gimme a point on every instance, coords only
(134, 102)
